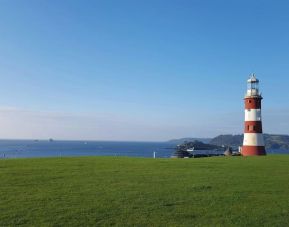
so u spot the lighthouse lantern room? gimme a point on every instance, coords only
(253, 134)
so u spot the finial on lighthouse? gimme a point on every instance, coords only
(253, 79)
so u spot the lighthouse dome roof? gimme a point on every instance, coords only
(253, 79)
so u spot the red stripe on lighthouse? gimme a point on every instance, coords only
(253, 150)
(253, 103)
(253, 127)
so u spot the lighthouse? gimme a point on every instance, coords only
(253, 135)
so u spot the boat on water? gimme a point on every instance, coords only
(190, 149)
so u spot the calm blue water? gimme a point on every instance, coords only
(28, 148)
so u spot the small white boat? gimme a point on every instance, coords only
(190, 149)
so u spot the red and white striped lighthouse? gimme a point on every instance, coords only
(253, 135)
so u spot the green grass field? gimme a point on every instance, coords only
(103, 191)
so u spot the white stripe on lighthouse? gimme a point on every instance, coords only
(253, 139)
(253, 115)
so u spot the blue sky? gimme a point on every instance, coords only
(140, 70)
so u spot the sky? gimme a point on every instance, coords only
(145, 70)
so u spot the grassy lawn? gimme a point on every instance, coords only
(97, 191)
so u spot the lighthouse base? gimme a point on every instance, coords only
(253, 150)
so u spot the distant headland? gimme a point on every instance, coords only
(271, 141)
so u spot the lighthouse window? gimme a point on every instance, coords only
(251, 128)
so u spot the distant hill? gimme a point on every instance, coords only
(230, 140)
(182, 140)
(198, 145)
(271, 141)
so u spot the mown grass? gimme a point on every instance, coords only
(103, 191)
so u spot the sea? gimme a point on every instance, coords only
(43, 148)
